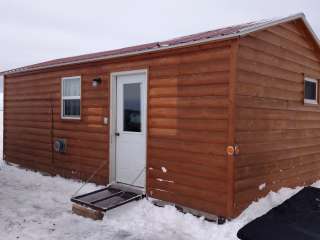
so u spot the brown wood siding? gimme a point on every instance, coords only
(33, 122)
(278, 135)
(187, 123)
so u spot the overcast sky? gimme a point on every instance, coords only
(34, 31)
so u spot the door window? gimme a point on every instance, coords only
(132, 107)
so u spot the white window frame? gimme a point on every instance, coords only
(309, 101)
(69, 98)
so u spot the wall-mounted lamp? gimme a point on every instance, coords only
(96, 82)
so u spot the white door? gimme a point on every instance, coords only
(131, 129)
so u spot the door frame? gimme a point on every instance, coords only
(113, 121)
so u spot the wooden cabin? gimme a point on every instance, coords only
(210, 121)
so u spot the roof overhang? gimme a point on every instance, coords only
(241, 33)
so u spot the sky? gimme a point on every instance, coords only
(33, 30)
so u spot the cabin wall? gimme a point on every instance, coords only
(188, 92)
(279, 136)
(32, 122)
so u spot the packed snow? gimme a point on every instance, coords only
(262, 186)
(33, 206)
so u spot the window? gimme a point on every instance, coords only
(70, 97)
(132, 107)
(310, 91)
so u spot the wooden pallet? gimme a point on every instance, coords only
(87, 212)
(94, 204)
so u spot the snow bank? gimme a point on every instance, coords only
(38, 207)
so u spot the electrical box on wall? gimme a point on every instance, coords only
(60, 145)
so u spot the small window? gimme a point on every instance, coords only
(71, 95)
(310, 91)
(132, 107)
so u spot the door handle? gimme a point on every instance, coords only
(117, 134)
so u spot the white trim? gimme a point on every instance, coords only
(244, 32)
(311, 101)
(113, 119)
(70, 98)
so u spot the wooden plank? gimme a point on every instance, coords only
(284, 176)
(270, 71)
(86, 212)
(270, 59)
(276, 114)
(244, 198)
(291, 26)
(297, 38)
(190, 79)
(189, 113)
(188, 102)
(34, 154)
(286, 43)
(258, 102)
(196, 193)
(258, 79)
(186, 168)
(28, 131)
(80, 126)
(191, 124)
(191, 68)
(186, 201)
(30, 124)
(28, 117)
(259, 125)
(188, 146)
(190, 91)
(276, 135)
(278, 51)
(190, 181)
(29, 137)
(259, 170)
(265, 157)
(245, 89)
(38, 97)
(205, 136)
(82, 135)
(203, 159)
(231, 124)
(15, 89)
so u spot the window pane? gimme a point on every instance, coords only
(71, 108)
(71, 87)
(132, 107)
(310, 89)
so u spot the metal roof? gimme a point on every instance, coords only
(214, 35)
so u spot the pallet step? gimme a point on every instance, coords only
(95, 203)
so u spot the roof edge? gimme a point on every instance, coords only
(290, 18)
(162, 48)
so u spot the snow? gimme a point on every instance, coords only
(33, 206)
(262, 186)
(164, 169)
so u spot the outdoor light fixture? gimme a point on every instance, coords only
(96, 82)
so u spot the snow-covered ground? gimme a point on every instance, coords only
(33, 206)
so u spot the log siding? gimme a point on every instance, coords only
(278, 134)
